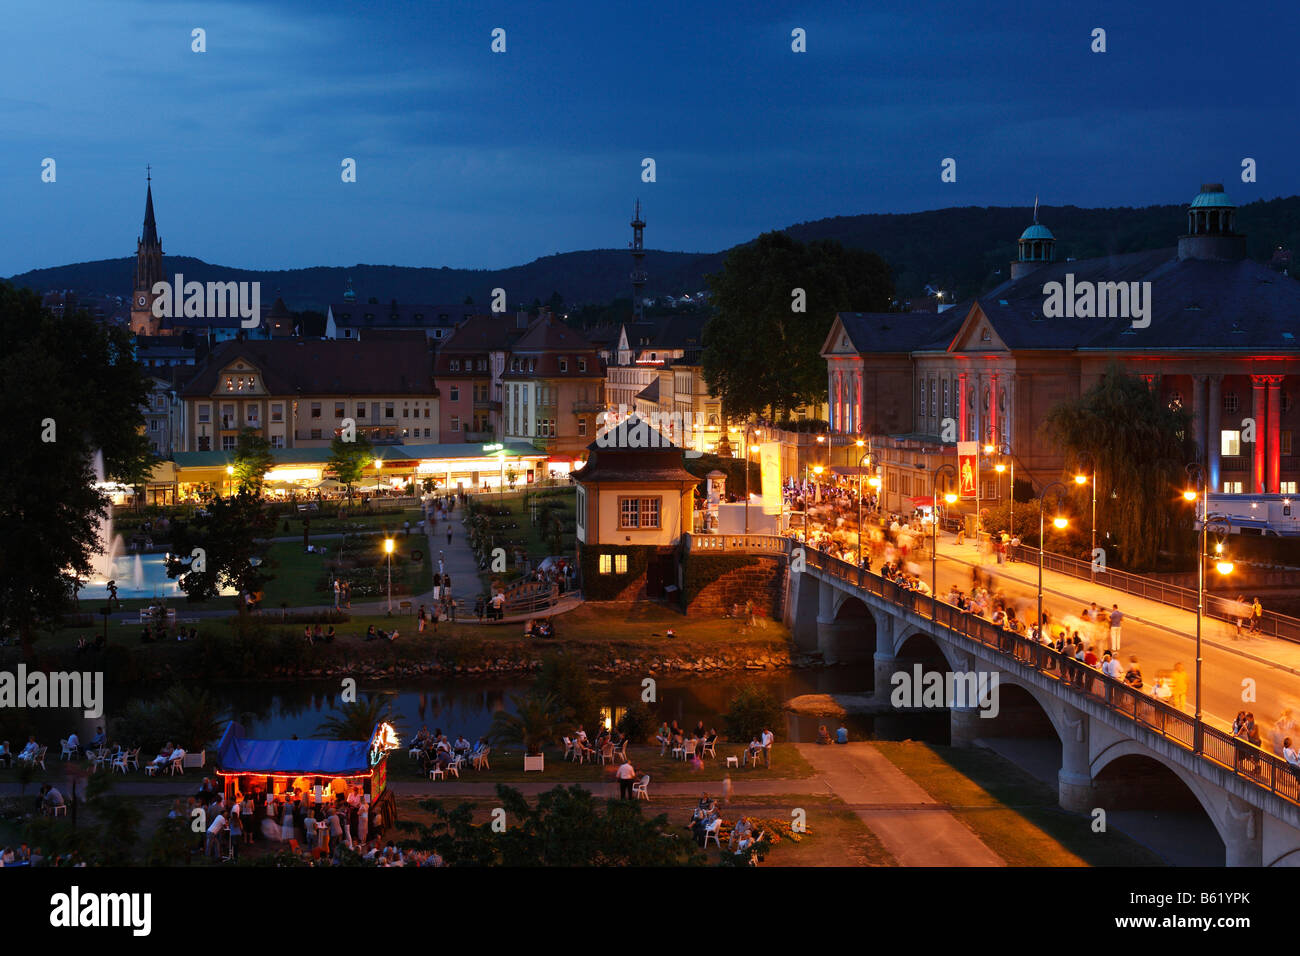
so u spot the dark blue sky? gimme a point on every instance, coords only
(473, 159)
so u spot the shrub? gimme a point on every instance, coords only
(750, 710)
(637, 722)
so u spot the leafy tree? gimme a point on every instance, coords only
(566, 679)
(567, 827)
(216, 549)
(637, 722)
(348, 460)
(253, 459)
(70, 386)
(192, 716)
(754, 300)
(1139, 447)
(749, 711)
(171, 843)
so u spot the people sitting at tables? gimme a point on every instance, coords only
(842, 735)
(741, 831)
(461, 746)
(49, 799)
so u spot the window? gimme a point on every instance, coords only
(315, 434)
(582, 365)
(153, 424)
(361, 409)
(390, 409)
(227, 442)
(455, 365)
(582, 427)
(1230, 403)
(227, 416)
(922, 400)
(945, 398)
(315, 409)
(606, 563)
(338, 410)
(277, 441)
(205, 413)
(933, 405)
(455, 394)
(893, 482)
(638, 513)
(1288, 487)
(455, 423)
(1232, 487)
(1230, 443)
(252, 415)
(159, 403)
(1286, 443)
(564, 365)
(277, 413)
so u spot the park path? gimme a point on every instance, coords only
(913, 826)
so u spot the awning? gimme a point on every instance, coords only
(327, 758)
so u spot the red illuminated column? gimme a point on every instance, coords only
(1274, 434)
(993, 411)
(1260, 413)
(961, 406)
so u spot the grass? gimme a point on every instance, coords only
(1014, 814)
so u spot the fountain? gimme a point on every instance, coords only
(137, 574)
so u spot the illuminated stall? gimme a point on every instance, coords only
(321, 771)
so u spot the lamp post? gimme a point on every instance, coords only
(745, 456)
(230, 479)
(1198, 492)
(1059, 522)
(379, 463)
(934, 532)
(1082, 479)
(388, 550)
(1000, 467)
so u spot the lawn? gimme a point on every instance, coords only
(1015, 814)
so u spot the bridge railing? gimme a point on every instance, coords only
(1273, 624)
(1245, 760)
(760, 543)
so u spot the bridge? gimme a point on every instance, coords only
(1120, 748)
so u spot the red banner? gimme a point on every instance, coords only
(967, 467)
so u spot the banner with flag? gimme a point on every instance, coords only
(967, 467)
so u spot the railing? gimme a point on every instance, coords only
(1216, 746)
(766, 543)
(1173, 595)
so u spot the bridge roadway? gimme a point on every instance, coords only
(1256, 814)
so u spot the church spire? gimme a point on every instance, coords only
(150, 237)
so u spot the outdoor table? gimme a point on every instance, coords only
(733, 761)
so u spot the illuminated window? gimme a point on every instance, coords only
(606, 563)
(1232, 487)
(638, 513)
(277, 413)
(1230, 443)
(620, 564)
(1288, 487)
(1230, 403)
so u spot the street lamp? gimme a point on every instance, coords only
(934, 532)
(230, 477)
(1224, 566)
(1059, 522)
(1000, 467)
(1082, 479)
(746, 450)
(862, 462)
(388, 549)
(379, 463)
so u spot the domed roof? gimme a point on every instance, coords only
(1037, 231)
(1212, 196)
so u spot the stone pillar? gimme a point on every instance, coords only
(1259, 411)
(1274, 434)
(1243, 839)
(964, 726)
(1074, 780)
(1198, 416)
(1214, 413)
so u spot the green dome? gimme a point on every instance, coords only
(1037, 231)
(1212, 196)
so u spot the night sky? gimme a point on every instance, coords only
(468, 158)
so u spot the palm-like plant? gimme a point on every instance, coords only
(355, 720)
(534, 724)
(194, 717)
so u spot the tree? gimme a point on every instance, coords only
(192, 716)
(750, 710)
(1139, 446)
(348, 460)
(637, 722)
(218, 548)
(71, 386)
(534, 724)
(567, 679)
(755, 299)
(253, 459)
(568, 827)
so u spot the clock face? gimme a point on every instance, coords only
(140, 301)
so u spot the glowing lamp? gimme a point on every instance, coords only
(1060, 522)
(860, 443)
(818, 469)
(988, 449)
(949, 498)
(1190, 495)
(388, 545)
(1224, 567)
(999, 468)
(230, 469)
(1080, 479)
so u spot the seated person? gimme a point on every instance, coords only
(392, 635)
(50, 798)
(528, 628)
(461, 746)
(329, 635)
(823, 735)
(842, 735)
(755, 748)
(741, 830)
(370, 633)
(30, 751)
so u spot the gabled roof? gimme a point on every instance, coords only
(632, 451)
(387, 365)
(886, 332)
(651, 392)
(396, 314)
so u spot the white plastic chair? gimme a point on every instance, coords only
(711, 833)
(709, 746)
(67, 752)
(133, 759)
(177, 765)
(641, 788)
(119, 762)
(481, 759)
(568, 748)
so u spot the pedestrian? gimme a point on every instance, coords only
(420, 619)
(336, 594)
(1116, 620)
(1133, 676)
(1178, 687)
(626, 773)
(449, 535)
(1256, 616)
(767, 740)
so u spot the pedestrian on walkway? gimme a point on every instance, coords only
(1178, 687)
(1256, 616)
(1116, 621)
(626, 774)
(336, 594)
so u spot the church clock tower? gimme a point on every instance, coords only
(148, 269)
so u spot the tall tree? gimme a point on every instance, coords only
(1139, 447)
(348, 460)
(253, 459)
(70, 386)
(783, 294)
(221, 549)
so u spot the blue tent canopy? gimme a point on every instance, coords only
(327, 758)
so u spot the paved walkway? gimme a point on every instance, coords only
(912, 825)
